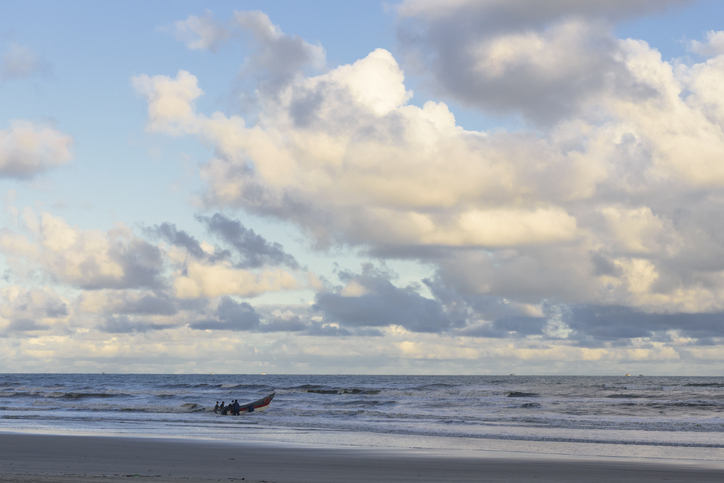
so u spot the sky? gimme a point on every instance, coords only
(324, 187)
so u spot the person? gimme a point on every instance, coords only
(223, 409)
(216, 408)
(235, 411)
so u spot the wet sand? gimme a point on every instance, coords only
(111, 459)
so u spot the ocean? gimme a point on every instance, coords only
(576, 415)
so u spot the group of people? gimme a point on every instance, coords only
(232, 408)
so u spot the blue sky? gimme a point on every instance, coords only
(331, 187)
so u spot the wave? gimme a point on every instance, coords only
(221, 385)
(251, 387)
(192, 408)
(155, 408)
(366, 403)
(695, 404)
(80, 395)
(303, 387)
(435, 386)
(327, 390)
(523, 408)
(189, 386)
(322, 391)
(60, 394)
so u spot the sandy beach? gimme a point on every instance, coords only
(60, 458)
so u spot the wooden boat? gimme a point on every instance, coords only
(258, 405)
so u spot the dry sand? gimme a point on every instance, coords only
(57, 458)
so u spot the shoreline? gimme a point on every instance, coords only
(26, 457)
(330, 439)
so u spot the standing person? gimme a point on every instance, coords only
(216, 408)
(236, 407)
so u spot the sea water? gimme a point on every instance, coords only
(580, 415)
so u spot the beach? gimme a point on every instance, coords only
(66, 458)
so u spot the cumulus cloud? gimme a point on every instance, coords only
(254, 250)
(212, 271)
(713, 46)
(512, 14)
(511, 326)
(92, 259)
(213, 280)
(123, 284)
(27, 149)
(546, 60)
(84, 259)
(341, 165)
(20, 62)
(369, 299)
(201, 32)
(617, 203)
(367, 302)
(126, 325)
(275, 57)
(246, 248)
(128, 302)
(278, 57)
(180, 238)
(170, 101)
(596, 326)
(230, 315)
(286, 321)
(30, 310)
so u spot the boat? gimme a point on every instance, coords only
(258, 405)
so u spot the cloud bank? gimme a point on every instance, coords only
(612, 206)
(590, 236)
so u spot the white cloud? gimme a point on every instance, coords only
(19, 62)
(684, 140)
(120, 260)
(546, 60)
(531, 12)
(170, 101)
(31, 310)
(89, 259)
(706, 85)
(602, 226)
(357, 147)
(201, 33)
(608, 206)
(713, 46)
(375, 82)
(351, 161)
(638, 230)
(276, 58)
(93, 259)
(202, 280)
(27, 149)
